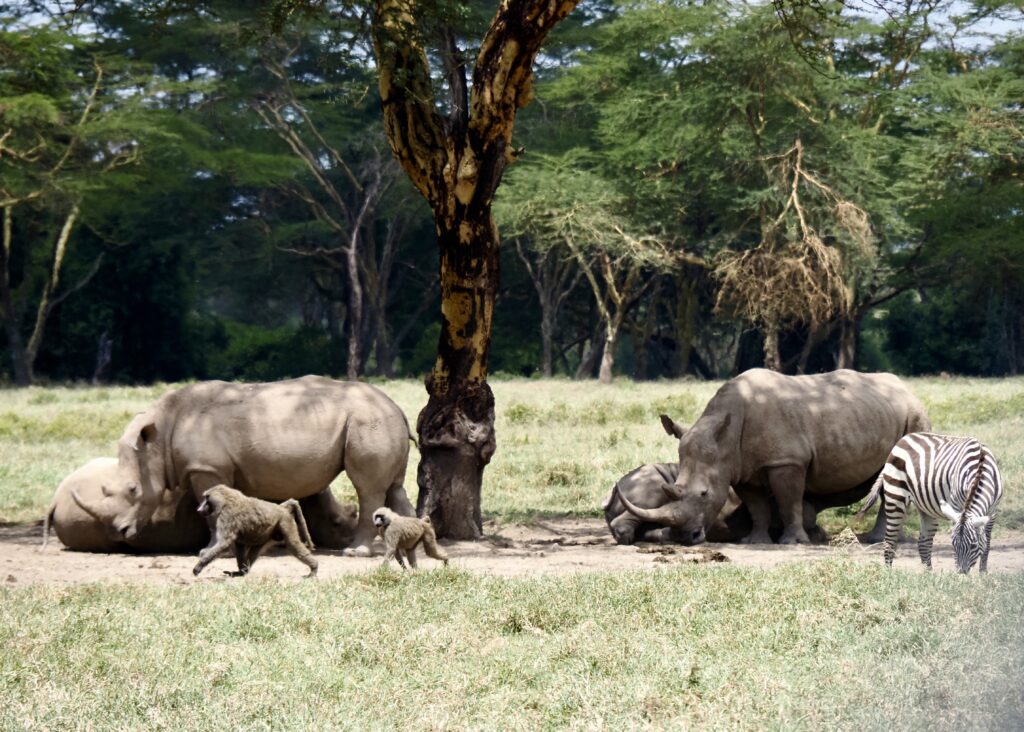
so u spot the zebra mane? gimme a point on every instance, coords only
(973, 490)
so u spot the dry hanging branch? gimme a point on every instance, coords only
(793, 275)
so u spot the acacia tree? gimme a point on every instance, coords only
(793, 276)
(558, 205)
(456, 160)
(59, 133)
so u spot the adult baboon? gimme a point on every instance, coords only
(404, 534)
(248, 525)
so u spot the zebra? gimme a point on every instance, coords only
(945, 477)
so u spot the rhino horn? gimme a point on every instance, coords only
(84, 506)
(659, 515)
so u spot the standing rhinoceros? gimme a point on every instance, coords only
(279, 440)
(764, 434)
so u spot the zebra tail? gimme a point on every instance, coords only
(876, 489)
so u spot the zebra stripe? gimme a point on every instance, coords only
(945, 477)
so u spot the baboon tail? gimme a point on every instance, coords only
(47, 523)
(430, 545)
(300, 521)
(876, 489)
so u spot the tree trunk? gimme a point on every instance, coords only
(772, 358)
(847, 354)
(547, 337)
(456, 162)
(384, 354)
(355, 311)
(19, 356)
(605, 375)
(456, 428)
(684, 324)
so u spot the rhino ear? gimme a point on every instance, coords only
(721, 428)
(146, 435)
(673, 428)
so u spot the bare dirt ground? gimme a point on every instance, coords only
(551, 546)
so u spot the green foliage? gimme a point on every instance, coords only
(657, 123)
(252, 353)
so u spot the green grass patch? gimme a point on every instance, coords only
(561, 444)
(833, 643)
(829, 644)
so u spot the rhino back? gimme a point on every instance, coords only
(286, 439)
(840, 425)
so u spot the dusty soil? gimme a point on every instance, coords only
(555, 546)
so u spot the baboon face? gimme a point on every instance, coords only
(209, 505)
(381, 518)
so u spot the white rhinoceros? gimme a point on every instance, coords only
(767, 434)
(278, 440)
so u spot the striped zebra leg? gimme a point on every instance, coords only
(986, 542)
(895, 515)
(924, 542)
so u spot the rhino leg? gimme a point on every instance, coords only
(787, 484)
(817, 534)
(398, 500)
(332, 524)
(760, 509)
(372, 495)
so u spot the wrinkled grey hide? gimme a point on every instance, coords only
(645, 487)
(769, 435)
(175, 526)
(279, 440)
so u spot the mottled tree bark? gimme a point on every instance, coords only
(772, 358)
(848, 331)
(456, 161)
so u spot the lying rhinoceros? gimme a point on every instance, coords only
(646, 487)
(174, 527)
(279, 440)
(766, 434)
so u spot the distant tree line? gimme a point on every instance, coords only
(197, 191)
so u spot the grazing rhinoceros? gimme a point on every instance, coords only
(645, 487)
(174, 527)
(764, 434)
(279, 440)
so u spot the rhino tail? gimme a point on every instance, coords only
(876, 489)
(300, 521)
(47, 523)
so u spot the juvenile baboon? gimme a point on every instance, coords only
(248, 525)
(404, 534)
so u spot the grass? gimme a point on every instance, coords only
(806, 646)
(833, 643)
(561, 444)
